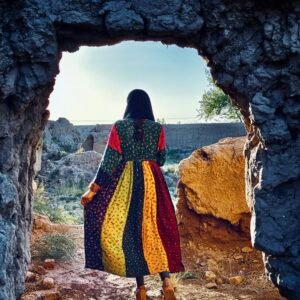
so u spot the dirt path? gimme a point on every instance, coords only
(74, 282)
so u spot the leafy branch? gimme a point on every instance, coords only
(216, 103)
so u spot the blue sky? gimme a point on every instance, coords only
(94, 82)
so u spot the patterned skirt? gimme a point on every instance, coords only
(130, 226)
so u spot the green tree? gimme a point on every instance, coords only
(216, 103)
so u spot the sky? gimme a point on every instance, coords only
(94, 82)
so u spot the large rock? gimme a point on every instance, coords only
(73, 169)
(208, 230)
(61, 135)
(213, 179)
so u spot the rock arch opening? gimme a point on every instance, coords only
(216, 233)
(98, 80)
(253, 51)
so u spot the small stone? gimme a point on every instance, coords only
(203, 264)
(40, 270)
(256, 261)
(219, 280)
(237, 257)
(211, 285)
(44, 295)
(192, 245)
(30, 277)
(49, 263)
(236, 280)
(210, 276)
(28, 297)
(31, 267)
(225, 279)
(80, 284)
(48, 283)
(247, 250)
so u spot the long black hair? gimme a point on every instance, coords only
(138, 108)
(138, 105)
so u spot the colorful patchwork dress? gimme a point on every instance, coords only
(130, 226)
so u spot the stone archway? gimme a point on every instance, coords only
(253, 50)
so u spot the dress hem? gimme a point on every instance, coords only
(182, 269)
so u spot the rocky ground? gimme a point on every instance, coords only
(212, 272)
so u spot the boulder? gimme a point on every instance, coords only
(75, 168)
(61, 135)
(213, 180)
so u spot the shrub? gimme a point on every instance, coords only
(53, 174)
(60, 246)
(42, 205)
(61, 216)
(40, 202)
(186, 275)
(69, 188)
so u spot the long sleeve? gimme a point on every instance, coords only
(111, 157)
(161, 148)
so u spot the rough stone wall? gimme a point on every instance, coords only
(96, 141)
(253, 50)
(199, 135)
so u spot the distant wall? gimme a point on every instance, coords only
(187, 135)
(202, 134)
